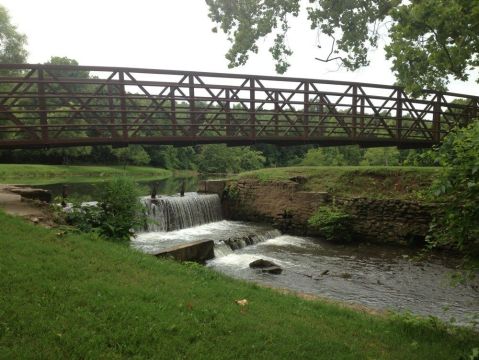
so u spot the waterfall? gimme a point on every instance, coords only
(168, 213)
(235, 243)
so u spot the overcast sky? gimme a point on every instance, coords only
(168, 34)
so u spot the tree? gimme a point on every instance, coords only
(324, 157)
(458, 189)
(132, 154)
(385, 156)
(430, 41)
(219, 158)
(334, 156)
(12, 43)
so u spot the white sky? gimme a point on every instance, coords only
(167, 34)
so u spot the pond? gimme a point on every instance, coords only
(85, 191)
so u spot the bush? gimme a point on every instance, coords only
(331, 223)
(458, 189)
(121, 209)
(118, 212)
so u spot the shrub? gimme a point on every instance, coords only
(331, 223)
(121, 209)
(458, 189)
(118, 212)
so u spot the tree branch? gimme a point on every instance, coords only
(329, 58)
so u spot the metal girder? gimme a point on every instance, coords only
(62, 105)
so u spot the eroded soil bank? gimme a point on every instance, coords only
(20, 204)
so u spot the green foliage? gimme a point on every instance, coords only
(232, 193)
(376, 182)
(432, 41)
(282, 155)
(12, 43)
(54, 174)
(333, 156)
(132, 155)
(331, 223)
(116, 215)
(170, 157)
(458, 189)
(429, 41)
(385, 156)
(222, 159)
(83, 218)
(121, 209)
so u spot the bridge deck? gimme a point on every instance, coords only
(59, 105)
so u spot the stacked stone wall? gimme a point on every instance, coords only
(287, 206)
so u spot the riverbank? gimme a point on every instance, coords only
(384, 204)
(375, 182)
(77, 295)
(29, 174)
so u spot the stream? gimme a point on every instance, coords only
(376, 276)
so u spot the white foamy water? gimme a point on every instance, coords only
(286, 240)
(168, 213)
(151, 242)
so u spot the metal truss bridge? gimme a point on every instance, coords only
(45, 106)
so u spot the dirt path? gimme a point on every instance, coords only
(14, 204)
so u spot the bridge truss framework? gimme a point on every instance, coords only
(59, 105)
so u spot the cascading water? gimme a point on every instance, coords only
(365, 275)
(168, 213)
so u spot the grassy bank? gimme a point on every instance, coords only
(375, 182)
(71, 296)
(44, 174)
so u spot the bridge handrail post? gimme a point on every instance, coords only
(42, 104)
(191, 101)
(228, 113)
(306, 109)
(354, 104)
(124, 118)
(173, 109)
(362, 114)
(398, 114)
(276, 113)
(252, 108)
(436, 118)
(475, 104)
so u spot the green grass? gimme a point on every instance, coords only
(368, 181)
(74, 296)
(45, 174)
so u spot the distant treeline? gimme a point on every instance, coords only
(220, 158)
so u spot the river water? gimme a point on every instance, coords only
(376, 276)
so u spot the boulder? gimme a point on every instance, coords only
(266, 266)
(198, 251)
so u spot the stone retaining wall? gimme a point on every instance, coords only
(288, 207)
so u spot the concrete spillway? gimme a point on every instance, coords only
(169, 213)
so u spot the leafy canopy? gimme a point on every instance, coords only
(458, 189)
(12, 43)
(430, 41)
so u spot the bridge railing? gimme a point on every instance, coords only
(56, 105)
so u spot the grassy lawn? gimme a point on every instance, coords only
(376, 182)
(44, 174)
(74, 296)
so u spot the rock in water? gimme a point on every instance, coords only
(266, 266)
(276, 270)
